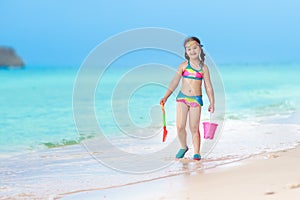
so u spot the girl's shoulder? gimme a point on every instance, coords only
(204, 67)
(183, 65)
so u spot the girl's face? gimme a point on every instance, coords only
(193, 49)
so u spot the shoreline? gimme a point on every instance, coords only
(45, 171)
(273, 175)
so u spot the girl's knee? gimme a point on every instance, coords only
(194, 129)
(180, 128)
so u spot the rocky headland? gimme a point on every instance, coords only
(9, 58)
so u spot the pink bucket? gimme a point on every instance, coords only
(209, 130)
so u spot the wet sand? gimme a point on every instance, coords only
(265, 176)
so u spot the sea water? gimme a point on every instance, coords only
(36, 109)
(39, 139)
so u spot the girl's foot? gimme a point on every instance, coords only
(181, 152)
(197, 157)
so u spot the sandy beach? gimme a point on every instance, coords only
(264, 176)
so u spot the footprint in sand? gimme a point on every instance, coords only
(272, 156)
(269, 193)
(294, 186)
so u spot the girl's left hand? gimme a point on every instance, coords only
(211, 108)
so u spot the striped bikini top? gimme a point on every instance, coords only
(192, 73)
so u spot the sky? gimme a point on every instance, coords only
(63, 32)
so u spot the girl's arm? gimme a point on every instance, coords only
(209, 89)
(174, 83)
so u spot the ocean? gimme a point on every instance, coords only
(41, 138)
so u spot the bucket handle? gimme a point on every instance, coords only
(210, 116)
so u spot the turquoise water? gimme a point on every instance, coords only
(36, 108)
(36, 102)
(261, 90)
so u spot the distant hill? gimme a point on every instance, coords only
(9, 58)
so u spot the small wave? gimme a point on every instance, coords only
(282, 107)
(65, 142)
(278, 108)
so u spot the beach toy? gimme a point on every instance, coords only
(209, 129)
(164, 122)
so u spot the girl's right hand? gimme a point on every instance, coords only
(163, 100)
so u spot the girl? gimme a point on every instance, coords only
(189, 100)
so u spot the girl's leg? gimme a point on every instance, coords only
(194, 121)
(182, 111)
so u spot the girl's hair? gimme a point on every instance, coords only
(202, 54)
